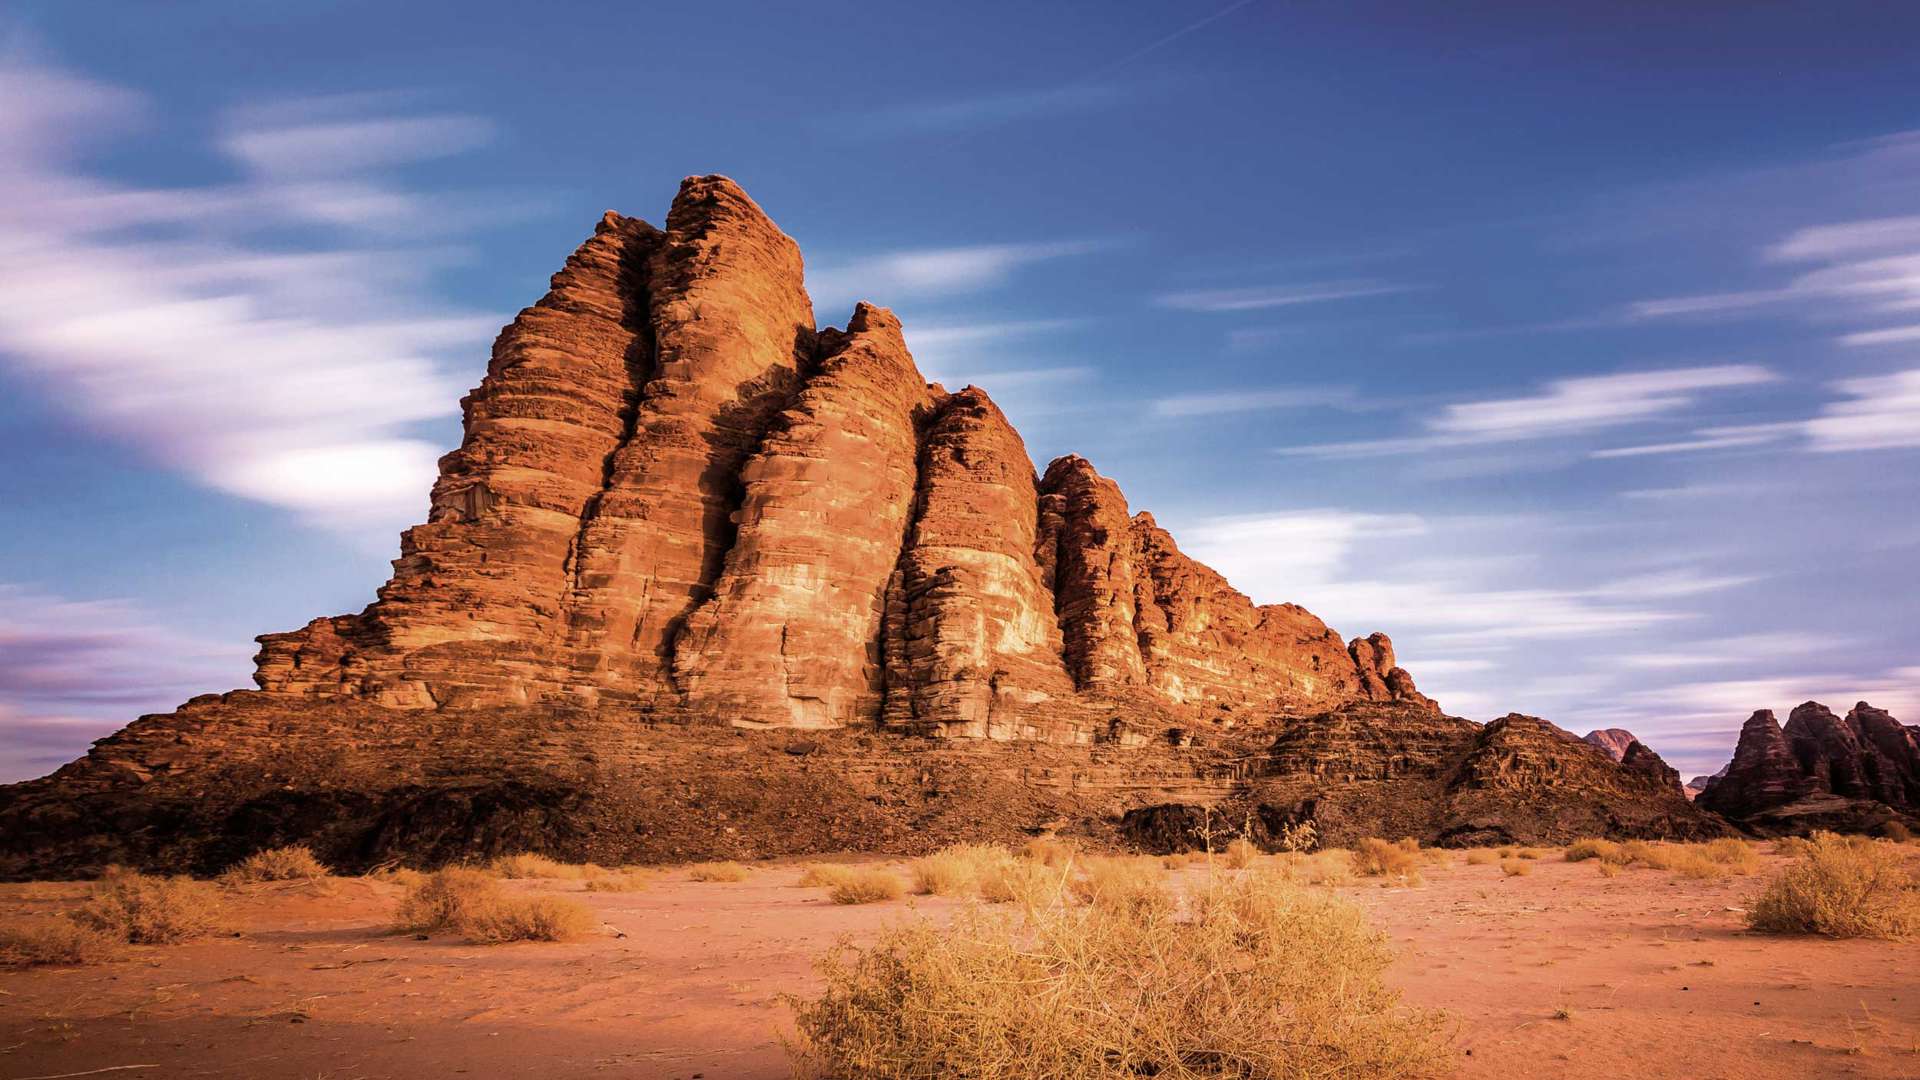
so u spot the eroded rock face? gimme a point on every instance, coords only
(1762, 774)
(676, 499)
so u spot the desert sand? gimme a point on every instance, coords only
(1562, 972)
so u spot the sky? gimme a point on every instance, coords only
(1577, 347)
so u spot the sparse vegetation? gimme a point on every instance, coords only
(1024, 881)
(295, 863)
(55, 941)
(142, 909)
(472, 903)
(956, 870)
(1374, 857)
(866, 887)
(1049, 850)
(1332, 866)
(529, 865)
(824, 875)
(1482, 857)
(1179, 860)
(1128, 884)
(1256, 978)
(718, 871)
(1605, 850)
(1298, 836)
(1239, 854)
(1841, 886)
(1714, 859)
(613, 882)
(1516, 867)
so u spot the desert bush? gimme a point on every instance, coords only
(528, 918)
(1179, 860)
(1528, 853)
(471, 903)
(1841, 887)
(718, 871)
(1604, 850)
(1481, 857)
(1332, 866)
(1298, 836)
(277, 864)
(1239, 854)
(146, 910)
(1608, 869)
(956, 870)
(1135, 885)
(1516, 867)
(1049, 851)
(1737, 856)
(866, 887)
(1374, 857)
(1258, 979)
(825, 875)
(1026, 882)
(36, 942)
(1792, 845)
(529, 865)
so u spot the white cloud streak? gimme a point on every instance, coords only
(921, 273)
(164, 318)
(1261, 298)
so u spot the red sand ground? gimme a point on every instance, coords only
(1657, 974)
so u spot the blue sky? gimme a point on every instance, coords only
(1578, 349)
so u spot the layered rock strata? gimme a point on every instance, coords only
(675, 497)
(1819, 768)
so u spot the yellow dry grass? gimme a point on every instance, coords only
(57, 941)
(1516, 867)
(1251, 978)
(529, 865)
(957, 870)
(1482, 857)
(869, 886)
(1049, 850)
(295, 863)
(718, 871)
(473, 904)
(1129, 884)
(142, 909)
(1374, 857)
(1842, 886)
(1239, 854)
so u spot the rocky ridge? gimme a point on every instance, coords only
(1819, 771)
(681, 515)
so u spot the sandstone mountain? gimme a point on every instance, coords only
(1819, 771)
(1614, 741)
(682, 510)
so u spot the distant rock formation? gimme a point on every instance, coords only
(1819, 771)
(1614, 741)
(685, 527)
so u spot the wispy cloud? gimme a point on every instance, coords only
(1875, 412)
(166, 317)
(1222, 402)
(72, 671)
(1571, 406)
(1262, 297)
(921, 273)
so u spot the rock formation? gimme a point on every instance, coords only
(680, 510)
(1819, 770)
(1613, 741)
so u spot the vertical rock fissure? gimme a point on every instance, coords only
(893, 679)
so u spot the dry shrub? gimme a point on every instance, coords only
(277, 864)
(471, 903)
(145, 910)
(1528, 853)
(1737, 856)
(1136, 885)
(718, 871)
(1481, 857)
(1049, 851)
(404, 876)
(529, 865)
(1239, 854)
(1333, 866)
(1897, 832)
(1257, 979)
(1516, 867)
(1179, 860)
(866, 887)
(1608, 869)
(1792, 845)
(1639, 851)
(1705, 862)
(1605, 850)
(1028, 883)
(36, 942)
(825, 875)
(956, 870)
(1841, 887)
(1374, 857)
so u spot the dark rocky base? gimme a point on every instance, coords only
(225, 776)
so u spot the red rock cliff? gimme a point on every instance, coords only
(675, 497)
